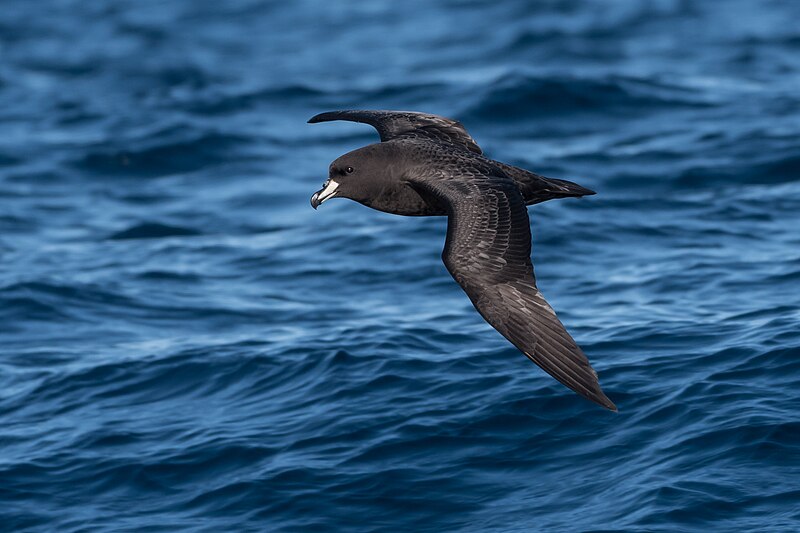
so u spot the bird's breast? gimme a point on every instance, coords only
(400, 199)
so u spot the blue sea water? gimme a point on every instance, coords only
(186, 345)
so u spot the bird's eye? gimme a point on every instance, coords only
(349, 170)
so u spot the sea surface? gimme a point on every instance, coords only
(185, 345)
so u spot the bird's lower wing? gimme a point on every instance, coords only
(487, 252)
(519, 311)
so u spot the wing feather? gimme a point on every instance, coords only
(487, 251)
(407, 124)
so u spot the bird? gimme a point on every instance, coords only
(428, 165)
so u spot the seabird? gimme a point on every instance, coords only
(427, 165)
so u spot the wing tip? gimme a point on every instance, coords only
(608, 404)
(330, 116)
(319, 117)
(352, 115)
(600, 398)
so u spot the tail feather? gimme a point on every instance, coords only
(566, 189)
(536, 188)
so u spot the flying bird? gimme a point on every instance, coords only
(427, 165)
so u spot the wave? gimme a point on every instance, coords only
(520, 97)
(186, 345)
(165, 157)
(153, 230)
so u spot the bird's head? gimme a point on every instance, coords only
(359, 175)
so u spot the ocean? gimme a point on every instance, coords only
(186, 345)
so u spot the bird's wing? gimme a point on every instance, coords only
(487, 251)
(407, 124)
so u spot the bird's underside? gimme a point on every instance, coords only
(488, 245)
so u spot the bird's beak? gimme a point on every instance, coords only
(328, 191)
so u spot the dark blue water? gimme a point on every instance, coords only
(186, 345)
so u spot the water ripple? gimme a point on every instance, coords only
(187, 345)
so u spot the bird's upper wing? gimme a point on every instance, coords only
(407, 124)
(487, 251)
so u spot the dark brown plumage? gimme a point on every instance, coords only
(429, 165)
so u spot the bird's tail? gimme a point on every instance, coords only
(536, 188)
(555, 188)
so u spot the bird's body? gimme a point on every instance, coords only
(428, 165)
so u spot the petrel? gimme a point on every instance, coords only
(427, 165)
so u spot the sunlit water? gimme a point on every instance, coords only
(186, 344)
